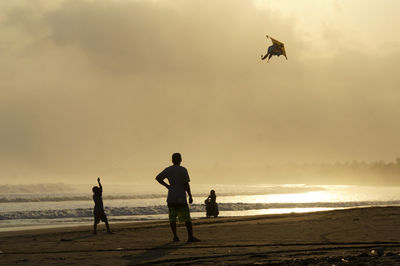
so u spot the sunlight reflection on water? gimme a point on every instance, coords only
(317, 196)
(273, 211)
(326, 194)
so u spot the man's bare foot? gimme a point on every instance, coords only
(176, 239)
(193, 239)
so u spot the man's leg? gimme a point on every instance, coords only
(189, 228)
(172, 214)
(188, 222)
(107, 225)
(95, 227)
(173, 228)
(184, 216)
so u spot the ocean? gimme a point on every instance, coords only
(56, 205)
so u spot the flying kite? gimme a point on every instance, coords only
(277, 48)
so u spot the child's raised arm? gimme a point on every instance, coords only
(101, 188)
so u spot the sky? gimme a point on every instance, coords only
(112, 88)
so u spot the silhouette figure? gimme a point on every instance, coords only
(211, 205)
(178, 186)
(98, 211)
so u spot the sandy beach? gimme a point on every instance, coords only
(325, 238)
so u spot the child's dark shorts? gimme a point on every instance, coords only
(99, 216)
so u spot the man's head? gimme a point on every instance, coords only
(176, 158)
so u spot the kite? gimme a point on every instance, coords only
(277, 48)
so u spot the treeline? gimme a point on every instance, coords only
(377, 166)
(340, 173)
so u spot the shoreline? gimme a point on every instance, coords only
(164, 217)
(328, 237)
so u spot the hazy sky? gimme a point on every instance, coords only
(114, 87)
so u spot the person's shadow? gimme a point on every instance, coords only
(153, 254)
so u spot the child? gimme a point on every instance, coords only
(98, 211)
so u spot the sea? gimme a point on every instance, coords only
(34, 206)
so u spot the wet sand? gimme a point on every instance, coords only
(341, 237)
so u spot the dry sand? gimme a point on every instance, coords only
(325, 238)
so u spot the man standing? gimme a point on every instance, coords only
(178, 186)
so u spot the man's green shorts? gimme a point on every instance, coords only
(179, 210)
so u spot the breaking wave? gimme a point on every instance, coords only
(51, 197)
(63, 192)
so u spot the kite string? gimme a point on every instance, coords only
(162, 131)
(117, 163)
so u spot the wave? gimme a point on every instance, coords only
(45, 198)
(162, 209)
(62, 192)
